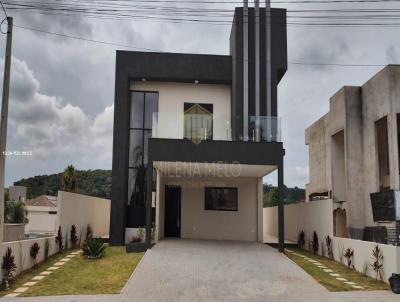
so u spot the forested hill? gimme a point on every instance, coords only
(91, 182)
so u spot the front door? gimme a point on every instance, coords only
(172, 219)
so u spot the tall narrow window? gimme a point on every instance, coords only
(198, 122)
(382, 147)
(143, 105)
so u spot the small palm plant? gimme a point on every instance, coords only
(349, 254)
(9, 267)
(315, 243)
(59, 240)
(377, 262)
(34, 251)
(73, 237)
(301, 240)
(329, 246)
(94, 248)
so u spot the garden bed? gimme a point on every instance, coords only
(331, 282)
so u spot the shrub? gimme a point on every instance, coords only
(89, 232)
(301, 240)
(329, 247)
(59, 240)
(141, 233)
(73, 237)
(315, 243)
(34, 251)
(377, 262)
(136, 239)
(15, 212)
(94, 248)
(9, 266)
(46, 249)
(349, 254)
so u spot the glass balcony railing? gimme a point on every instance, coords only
(200, 127)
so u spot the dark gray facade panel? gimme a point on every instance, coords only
(175, 67)
(120, 157)
(216, 151)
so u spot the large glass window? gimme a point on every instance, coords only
(221, 199)
(198, 122)
(143, 105)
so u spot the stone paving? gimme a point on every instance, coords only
(41, 276)
(194, 270)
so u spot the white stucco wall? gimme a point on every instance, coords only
(197, 223)
(309, 217)
(172, 97)
(81, 210)
(41, 221)
(363, 255)
(20, 251)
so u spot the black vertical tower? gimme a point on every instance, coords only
(278, 62)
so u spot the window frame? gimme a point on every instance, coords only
(235, 189)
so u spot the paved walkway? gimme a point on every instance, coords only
(186, 270)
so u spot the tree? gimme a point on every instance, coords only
(15, 212)
(271, 198)
(68, 182)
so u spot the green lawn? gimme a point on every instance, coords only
(29, 274)
(330, 282)
(81, 276)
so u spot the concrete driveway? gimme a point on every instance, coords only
(188, 270)
(194, 270)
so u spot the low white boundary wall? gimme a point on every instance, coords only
(21, 249)
(363, 255)
(318, 216)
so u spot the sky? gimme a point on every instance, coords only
(62, 89)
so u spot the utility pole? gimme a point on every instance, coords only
(4, 120)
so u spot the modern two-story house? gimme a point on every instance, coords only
(194, 135)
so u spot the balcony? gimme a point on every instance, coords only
(207, 127)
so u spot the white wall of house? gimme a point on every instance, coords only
(40, 220)
(82, 210)
(172, 97)
(197, 223)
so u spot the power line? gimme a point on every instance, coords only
(154, 50)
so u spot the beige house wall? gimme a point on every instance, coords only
(172, 97)
(197, 223)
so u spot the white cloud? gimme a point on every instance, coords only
(54, 129)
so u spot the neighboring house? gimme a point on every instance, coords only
(42, 214)
(354, 155)
(194, 135)
(17, 193)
